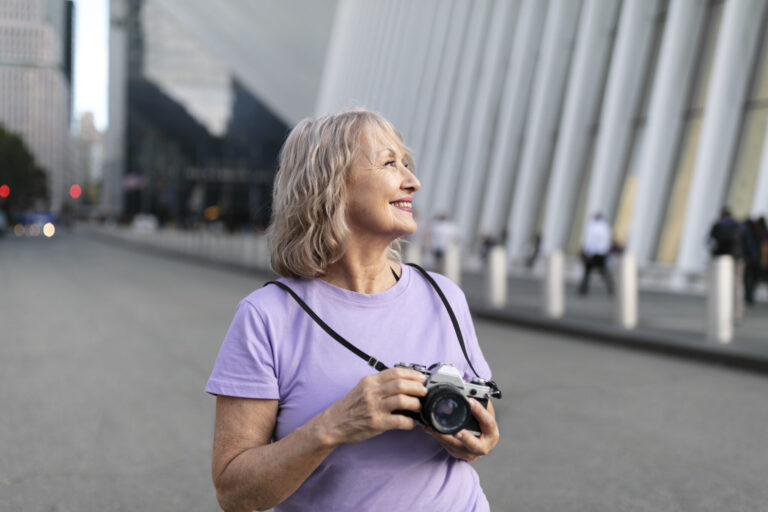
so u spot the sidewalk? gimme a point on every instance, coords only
(670, 323)
(667, 322)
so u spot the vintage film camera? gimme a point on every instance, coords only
(445, 408)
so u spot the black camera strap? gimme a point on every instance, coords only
(448, 307)
(333, 334)
(372, 361)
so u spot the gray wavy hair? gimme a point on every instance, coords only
(308, 230)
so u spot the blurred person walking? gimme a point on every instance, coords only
(752, 257)
(761, 236)
(302, 423)
(595, 249)
(443, 236)
(725, 239)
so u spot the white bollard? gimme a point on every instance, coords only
(625, 300)
(412, 252)
(452, 263)
(554, 285)
(720, 301)
(496, 277)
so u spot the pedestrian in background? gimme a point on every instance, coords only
(302, 422)
(725, 239)
(751, 250)
(760, 231)
(595, 249)
(443, 236)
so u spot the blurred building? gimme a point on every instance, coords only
(35, 83)
(528, 116)
(88, 159)
(193, 122)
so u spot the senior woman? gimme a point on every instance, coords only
(302, 423)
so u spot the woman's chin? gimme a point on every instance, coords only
(409, 229)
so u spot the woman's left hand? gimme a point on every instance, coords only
(465, 445)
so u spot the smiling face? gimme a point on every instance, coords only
(380, 188)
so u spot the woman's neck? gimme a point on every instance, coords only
(362, 273)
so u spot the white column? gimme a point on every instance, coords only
(338, 53)
(449, 157)
(452, 262)
(548, 85)
(373, 68)
(357, 72)
(625, 300)
(383, 47)
(413, 66)
(489, 89)
(401, 80)
(401, 19)
(511, 121)
(720, 300)
(629, 63)
(760, 202)
(496, 277)
(554, 285)
(442, 107)
(724, 108)
(428, 78)
(665, 118)
(582, 100)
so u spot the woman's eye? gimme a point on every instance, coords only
(405, 164)
(390, 162)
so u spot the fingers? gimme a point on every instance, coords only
(484, 418)
(454, 446)
(366, 410)
(402, 387)
(400, 373)
(465, 445)
(401, 402)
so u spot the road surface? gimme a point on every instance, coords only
(105, 350)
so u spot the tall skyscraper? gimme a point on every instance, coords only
(35, 89)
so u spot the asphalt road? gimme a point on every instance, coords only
(104, 353)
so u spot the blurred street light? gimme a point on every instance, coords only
(49, 229)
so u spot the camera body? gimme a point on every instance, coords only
(445, 408)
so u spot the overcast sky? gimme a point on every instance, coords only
(91, 51)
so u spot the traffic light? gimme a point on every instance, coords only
(5, 191)
(75, 191)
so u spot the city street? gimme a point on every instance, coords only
(105, 351)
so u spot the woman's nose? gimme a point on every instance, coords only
(411, 181)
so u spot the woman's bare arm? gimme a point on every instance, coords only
(251, 473)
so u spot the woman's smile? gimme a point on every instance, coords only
(403, 204)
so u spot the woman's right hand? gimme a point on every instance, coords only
(366, 411)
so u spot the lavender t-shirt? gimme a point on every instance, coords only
(274, 350)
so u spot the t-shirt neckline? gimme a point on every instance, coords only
(388, 295)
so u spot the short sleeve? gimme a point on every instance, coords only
(245, 366)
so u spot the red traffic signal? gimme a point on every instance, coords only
(5, 191)
(75, 191)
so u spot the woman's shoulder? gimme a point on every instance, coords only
(270, 298)
(450, 289)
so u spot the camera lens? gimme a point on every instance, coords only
(446, 409)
